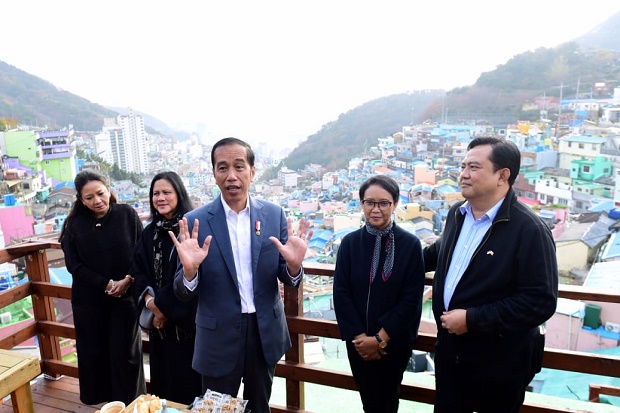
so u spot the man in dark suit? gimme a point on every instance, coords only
(496, 281)
(232, 252)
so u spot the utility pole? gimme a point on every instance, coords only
(559, 121)
(576, 101)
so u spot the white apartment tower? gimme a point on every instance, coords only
(123, 142)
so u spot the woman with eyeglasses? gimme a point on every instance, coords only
(378, 286)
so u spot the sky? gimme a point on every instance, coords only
(274, 71)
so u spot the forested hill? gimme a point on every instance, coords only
(359, 128)
(30, 100)
(33, 101)
(570, 69)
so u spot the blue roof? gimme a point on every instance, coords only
(422, 187)
(604, 275)
(606, 206)
(584, 139)
(67, 184)
(435, 203)
(444, 189)
(423, 232)
(323, 235)
(344, 231)
(317, 244)
(60, 276)
(573, 385)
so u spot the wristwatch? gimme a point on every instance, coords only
(382, 344)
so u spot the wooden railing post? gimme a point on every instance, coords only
(42, 305)
(294, 306)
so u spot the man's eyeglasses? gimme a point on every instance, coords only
(383, 205)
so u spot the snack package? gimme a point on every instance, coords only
(215, 402)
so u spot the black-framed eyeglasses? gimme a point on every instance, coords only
(383, 205)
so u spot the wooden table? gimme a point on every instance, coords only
(16, 371)
(181, 407)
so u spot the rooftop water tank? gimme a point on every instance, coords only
(592, 318)
(9, 200)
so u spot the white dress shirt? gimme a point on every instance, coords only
(240, 233)
(240, 239)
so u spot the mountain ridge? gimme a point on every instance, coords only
(498, 93)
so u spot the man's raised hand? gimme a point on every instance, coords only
(191, 254)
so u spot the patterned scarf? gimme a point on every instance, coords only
(389, 259)
(162, 226)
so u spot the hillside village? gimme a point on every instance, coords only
(569, 175)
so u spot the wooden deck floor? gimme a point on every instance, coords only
(60, 395)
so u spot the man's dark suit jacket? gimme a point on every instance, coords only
(219, 315)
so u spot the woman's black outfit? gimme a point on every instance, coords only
(171, 348)
(390, 297)
(109, 346)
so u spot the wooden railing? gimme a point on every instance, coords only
(293, 368)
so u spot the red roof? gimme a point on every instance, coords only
(528, 201)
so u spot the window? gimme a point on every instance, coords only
(581, 146)
(586, 169)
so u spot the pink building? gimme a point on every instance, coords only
(16, 222)
(568, 329)
(423, 175)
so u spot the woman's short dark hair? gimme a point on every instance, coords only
(233, 141)
(184, 203)
(384, 182)
(78, 207)
(504, 154)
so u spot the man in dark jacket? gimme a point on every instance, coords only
(496, 281)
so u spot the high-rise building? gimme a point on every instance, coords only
(123, 142)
